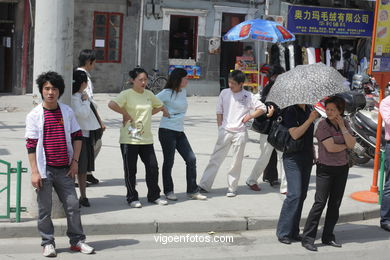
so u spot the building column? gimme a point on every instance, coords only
(53, 51)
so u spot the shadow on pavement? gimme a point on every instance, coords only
(354, 233)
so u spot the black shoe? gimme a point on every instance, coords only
(284, 240)
(386, 227)
(297, 238)
(331, 243)
(274, 183)
(309, 246)
(84, 202)
(92, 179)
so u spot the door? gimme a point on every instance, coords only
(6, 46)
(229, 50)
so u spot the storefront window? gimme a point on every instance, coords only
(183, 37)
(107, 36)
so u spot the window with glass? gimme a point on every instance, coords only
(183, 36)
(107, 36)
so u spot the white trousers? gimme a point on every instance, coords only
(261, 163)
(225, 140)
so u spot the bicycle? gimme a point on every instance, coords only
(156, 82)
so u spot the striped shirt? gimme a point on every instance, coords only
(54, 141)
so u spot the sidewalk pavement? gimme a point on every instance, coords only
(109, 213)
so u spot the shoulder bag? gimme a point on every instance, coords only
(279, 137)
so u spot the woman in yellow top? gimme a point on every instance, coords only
(137, 105)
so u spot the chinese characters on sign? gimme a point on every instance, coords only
(381, 62)
(329, 21)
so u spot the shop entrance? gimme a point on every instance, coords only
(6, 48)
(229, 50)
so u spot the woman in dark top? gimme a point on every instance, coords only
(297, 166)
(334, 138)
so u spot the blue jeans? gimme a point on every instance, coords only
(297, 167)
(385, 207)
(170, 141)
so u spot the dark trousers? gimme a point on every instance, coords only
(297, 167)
(170, 141)
(330, 186)
(271, 171)
(385, 206)
(130, 154)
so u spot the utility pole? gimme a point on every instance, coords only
(53, 51)
(53, 41)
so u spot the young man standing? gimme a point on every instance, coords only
(233, 111)
(54, 144)
(87, 61)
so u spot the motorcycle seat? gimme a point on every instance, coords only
(367, 118)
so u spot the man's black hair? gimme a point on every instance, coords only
(238, 76)
(54, 78)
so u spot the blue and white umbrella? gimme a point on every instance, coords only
(259, 30)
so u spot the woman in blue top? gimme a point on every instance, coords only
(172, 137)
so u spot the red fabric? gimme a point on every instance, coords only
(318, 55)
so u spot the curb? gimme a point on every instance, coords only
(29, 229)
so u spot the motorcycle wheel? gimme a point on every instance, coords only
(357, 159)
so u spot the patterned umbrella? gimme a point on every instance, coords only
(259, 30)
(306, 84)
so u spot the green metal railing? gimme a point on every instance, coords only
(381, 177)
(18, 170)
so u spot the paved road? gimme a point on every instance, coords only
(361, 240)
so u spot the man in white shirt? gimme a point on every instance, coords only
(233, 111)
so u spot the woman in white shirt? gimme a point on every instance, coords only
(88, 122)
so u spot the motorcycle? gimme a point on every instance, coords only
(362, 108)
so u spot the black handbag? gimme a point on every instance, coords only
(97, 134)
(262, 125)
(279, 137)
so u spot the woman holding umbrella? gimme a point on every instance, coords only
(297, 165)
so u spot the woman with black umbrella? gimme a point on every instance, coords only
(297, 166)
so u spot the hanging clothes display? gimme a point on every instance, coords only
(287, 58)
(275, 55)
(281, 55)
(328, 57)
(291, 53)
(298, 59)
(340, 63)
(311, 55)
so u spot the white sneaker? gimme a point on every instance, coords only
(160, 202)
(171, 196)
(231, 194)
(49, 251)
(196, 196)
(135, 204)
(82, 247)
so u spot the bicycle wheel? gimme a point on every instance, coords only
(159, 84)
(149, 86)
